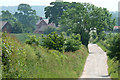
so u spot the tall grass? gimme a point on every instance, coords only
(23, 36)
(37, 62)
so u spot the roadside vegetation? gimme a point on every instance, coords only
(29, 60)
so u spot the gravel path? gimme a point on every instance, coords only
(96, 63)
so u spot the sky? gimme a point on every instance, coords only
(111, 5)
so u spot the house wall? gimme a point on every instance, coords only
(40, 27)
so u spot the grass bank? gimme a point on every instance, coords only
(23, 36)
(24, 61)
(112, 64)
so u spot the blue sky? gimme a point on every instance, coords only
(111, 5)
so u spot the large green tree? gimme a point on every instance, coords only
(55, 11)
(27, 16)
(7, 16)
(85, 17)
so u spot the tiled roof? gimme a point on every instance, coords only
(46, 20)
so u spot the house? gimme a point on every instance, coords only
(42, 24)
(116, 29)
(5, 27)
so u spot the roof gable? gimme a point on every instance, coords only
(2, 24)
(43, 20)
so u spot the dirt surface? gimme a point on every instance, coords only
(96, 63)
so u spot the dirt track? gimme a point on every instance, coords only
(96, 63)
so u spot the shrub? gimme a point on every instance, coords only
(115, 47)
(73, 43)
(12, 57)
(54, 41)
(49, 29)
(32, 40)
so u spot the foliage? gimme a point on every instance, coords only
(54, 41)
(27, 16)
(32, 40)
(115, 47)
(49, 29)
(12, 57)
(85, 17)
(24, 61)
(17, 27)
(54, 12)
(7, 16)
(113, 68)
(73, 43)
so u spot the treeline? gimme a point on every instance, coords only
(80, 18)
(23, 20)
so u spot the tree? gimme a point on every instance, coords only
(7, 16)
(27, 16)
(85, 17)
(115, 47)
(55, 11)
(17, 27)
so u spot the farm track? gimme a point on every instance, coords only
(96, 64)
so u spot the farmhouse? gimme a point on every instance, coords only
(42, 24)
(5, 27)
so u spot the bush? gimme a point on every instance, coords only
(54, 41)
(73, 43)
(49, 29)
(115, 47)
(32, 40)
(13, 57)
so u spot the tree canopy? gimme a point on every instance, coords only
(80, 18)
(27, 16)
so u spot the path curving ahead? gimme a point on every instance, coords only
(96, 63)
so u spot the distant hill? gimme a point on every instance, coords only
(13, 9)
